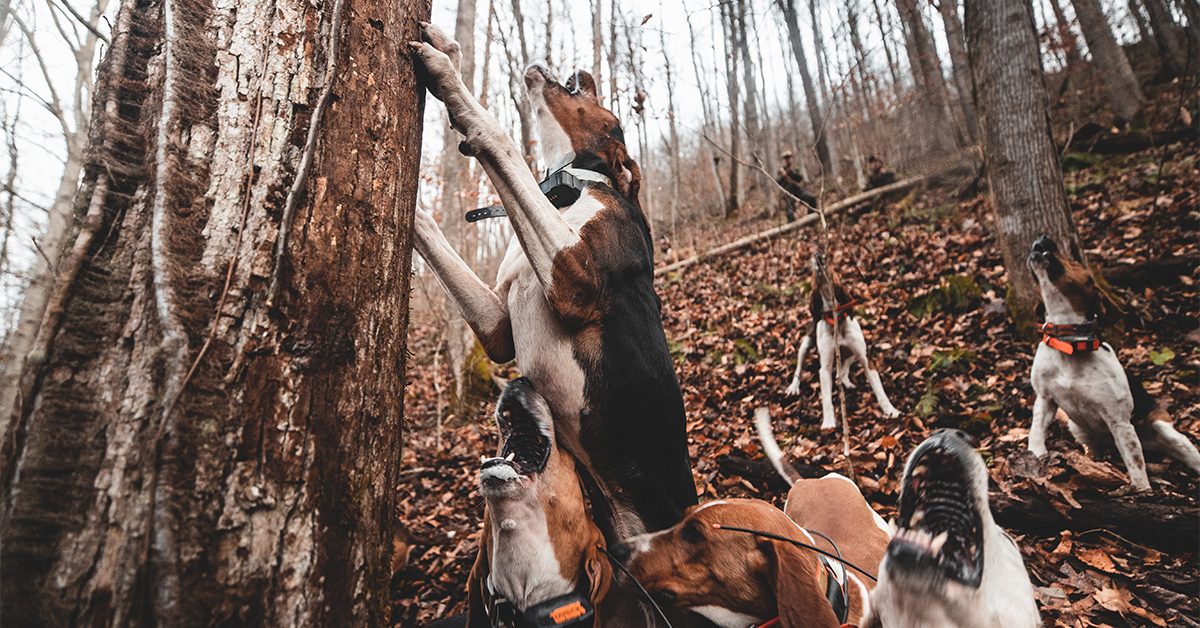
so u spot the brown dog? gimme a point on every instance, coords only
(737, 579)
(538, 556)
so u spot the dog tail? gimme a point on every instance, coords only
(1145, 408)
(762, 421)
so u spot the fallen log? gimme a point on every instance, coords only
(1172, 529)
(791, 226)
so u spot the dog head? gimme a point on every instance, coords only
(571, 119)
(825, 283)
(539, 540)
(730, 577)
(1069, 292)
(948, 563)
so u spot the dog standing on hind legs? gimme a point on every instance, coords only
(827, 290)
(1074, 370)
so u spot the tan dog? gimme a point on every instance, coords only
(737, 579)
(1075, 371)
(538, 556)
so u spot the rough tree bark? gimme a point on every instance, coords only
(1167, 35)
(788, 8)
(597, 44)
(459, 194)
(162, 474)
(1124, 92)
(958, 59)
(1019, 154)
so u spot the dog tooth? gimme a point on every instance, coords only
(938, 542)
(893, 529)
(510, 456)
(483, 459)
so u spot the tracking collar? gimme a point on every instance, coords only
(842, 313)
(572, 609)
(1071, 338)
(562, 186)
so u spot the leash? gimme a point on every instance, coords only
(612, 559)
(1071, 338)
(776, 537)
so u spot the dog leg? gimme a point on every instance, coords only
(805, 347)
(1125, 436)
(484, 309)
(826, 346)
(539, 226)
(1043, 410)
(848, 358)
(858, 344)
(1163, 437)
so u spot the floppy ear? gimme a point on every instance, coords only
(800, 598)
(627, 177)
(599, 573)
(477, 596)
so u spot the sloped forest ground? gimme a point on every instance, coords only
(931, 285)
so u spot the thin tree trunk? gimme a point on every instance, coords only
(729, 28)
(597, 45)
(1135, 9)
(887, 50)
(958, 58)
(1066, 36)
(614, 103)
(676, 170)
(1124, 92)
(753, 130)
(927, 73)
(1019, 153)
(459, 195)
(1166, 34)
(788, 8)
(709, 124)
(189, 453)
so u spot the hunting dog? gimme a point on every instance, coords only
(949, 565)
(737, 579)
(1075, 371)
(574, 300)
(827, 290)
(539, 556)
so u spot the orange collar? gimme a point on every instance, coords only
(842, 312)
(1070, 338)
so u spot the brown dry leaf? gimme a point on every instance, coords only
(1114, 599)
(1092, 472)
(1063, 549)
(1096, 558)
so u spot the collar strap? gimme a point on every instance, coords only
(843, 311)
(1071, 338)
(562, 186)
(572, 609)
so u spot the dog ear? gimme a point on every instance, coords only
(627, 177)
(599, 573)
(478, 598)
(800, 597)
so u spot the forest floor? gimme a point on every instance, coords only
(931, 285)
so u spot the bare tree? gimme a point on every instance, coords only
(1019, 153)
(927, 75)
(196, 448)
(1124, 92)
(729, 29)
(597, 45)
(958, 59)
(788, 8)
(1167, 36)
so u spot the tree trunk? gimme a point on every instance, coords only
(1124, 92)
(788, 8)
(927, 74)
(1135, 9)
(524, 111)
(676, 170)
(459, 195)
(753, 129)
(729, 26)
(831, 168)
(1027, 195)
(159, 475)
(887, 50)
(1066, 36)
(597, 44)
(958, 58)
(1167, 36)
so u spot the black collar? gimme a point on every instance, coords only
(572, 609)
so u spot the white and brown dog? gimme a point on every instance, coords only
(949, 565)
(574, 300)
(738, 580)
(827, 290)
(1075, 371)
(538, 562)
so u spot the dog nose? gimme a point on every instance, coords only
(620, 551)
(1044, 245)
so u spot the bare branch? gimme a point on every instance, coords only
(82, 20)
(54, 105)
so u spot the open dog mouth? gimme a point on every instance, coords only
(1043, 253)
(526, 431)
(939, 526)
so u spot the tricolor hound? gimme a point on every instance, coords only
(826, 291)
(574, 300)
(949, 565)
(1075, 371)
(538, 562)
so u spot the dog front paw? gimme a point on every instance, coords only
(793, 389)
(444, 44)
(890, 412)
(1037, 449)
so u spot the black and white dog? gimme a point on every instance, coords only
(949, 565)
(1074, 370)
(826, 291)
